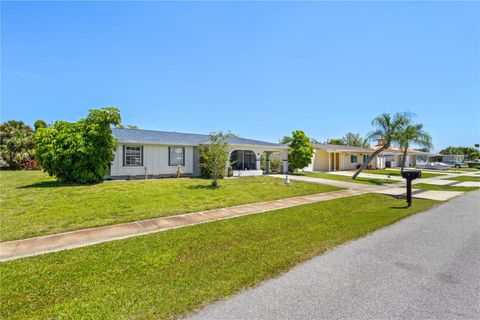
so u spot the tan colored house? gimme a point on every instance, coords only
(331, 157)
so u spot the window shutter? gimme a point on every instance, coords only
(183, 154)
(169, 156)
(142, 156)
(123, 147)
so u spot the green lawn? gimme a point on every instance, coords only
(424, 186)
(169, 274)
(465, 178)
(325, 175)
(398, 173)
(33, 204)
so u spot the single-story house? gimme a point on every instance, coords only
(148, 153)
(332, 157)
(437, 157)
(392, 157)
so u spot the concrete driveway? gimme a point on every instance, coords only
(424, 267)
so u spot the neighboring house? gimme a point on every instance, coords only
(332, 157)
(393, 157)
(446, 157)
(151, 153)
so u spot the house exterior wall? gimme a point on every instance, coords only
(155, 162)
(320, 162)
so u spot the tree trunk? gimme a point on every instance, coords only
(372, 156)
(403, 159)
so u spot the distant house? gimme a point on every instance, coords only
(151, 153)
(332, 157)
(392, 157)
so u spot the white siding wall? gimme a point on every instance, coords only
(155, 160)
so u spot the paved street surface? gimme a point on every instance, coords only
(424, 267)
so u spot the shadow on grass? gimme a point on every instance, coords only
(54, 184)
(399, 207)
(203, 186)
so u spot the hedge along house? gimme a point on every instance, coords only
(148, 153)
(332, 157)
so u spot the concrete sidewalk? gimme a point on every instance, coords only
(29, 247)
(423, 267)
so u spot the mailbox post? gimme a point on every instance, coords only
(410, 175)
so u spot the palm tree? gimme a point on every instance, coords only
(387, 130)
(414, 134)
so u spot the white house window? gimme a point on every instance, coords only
(132, 156)
(176, 156)
(365, 158)
(353, 159)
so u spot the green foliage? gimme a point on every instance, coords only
(301, 151)
(214, 157)
(413, 133)
(387, 130)
(79, 152)
(286, 139)
(39, 124)
(16, 146)
(276, 162)
(469, 152)
(355, 140)
(336, 141)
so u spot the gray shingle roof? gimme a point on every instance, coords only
(179, 138)
(338, 147)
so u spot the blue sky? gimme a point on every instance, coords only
(259, 69)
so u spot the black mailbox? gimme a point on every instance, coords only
(410, 175)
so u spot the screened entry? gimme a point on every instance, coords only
(243, 160)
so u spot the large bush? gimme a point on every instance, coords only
(16, 146)
(79, 152)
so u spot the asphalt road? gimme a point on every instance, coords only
(424, 267)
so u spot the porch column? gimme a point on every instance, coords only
(257, 162)
(329, 162)
(334, 161)
(267, 162)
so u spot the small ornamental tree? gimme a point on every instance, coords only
(301, 151)
(214, 157)
(79, 152)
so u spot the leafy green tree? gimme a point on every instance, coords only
(468, 152)
(214, 157)
(413, 134)
(301, 151)
(79, 152)
(355, 140)
(336, 141)
(286, 139)
(16, 144)
(39, 124)
(387, 129)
